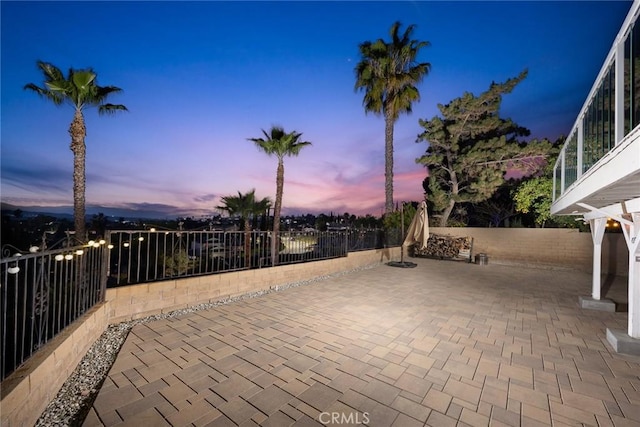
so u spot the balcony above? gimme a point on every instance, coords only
(614, 179)
(598, 170)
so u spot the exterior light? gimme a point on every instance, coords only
(79, 252)
(13, 270)
(141, 238)
(110, 246)
(102, 241)
(125, 244)
(59, 257)
(90, 243)
(68, 257)
(152, 229)
(34, 249)
(96, 245)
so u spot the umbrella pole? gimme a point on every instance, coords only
(402, 235)
(401, 263)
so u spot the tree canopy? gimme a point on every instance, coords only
(471, 148)
(245, 205)
(80, 90)
(534, 195)
(281, 144)
(388, 73)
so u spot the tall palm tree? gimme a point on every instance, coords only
(280, 144)
(245, 205)
(388, 74)
(80, 90)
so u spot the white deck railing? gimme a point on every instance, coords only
(606, 121)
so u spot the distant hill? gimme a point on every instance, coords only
(55, 211)
(66, 212)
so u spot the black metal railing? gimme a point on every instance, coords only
(146, 256)
(44, 292)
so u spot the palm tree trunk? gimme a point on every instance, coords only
(275, 240)
(388, 162)
(78, 131)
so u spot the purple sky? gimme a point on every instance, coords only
(199, 78)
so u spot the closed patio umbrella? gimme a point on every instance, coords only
(418, 232)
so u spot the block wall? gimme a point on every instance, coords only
(27, 392)
(553, 247)
(135, 301)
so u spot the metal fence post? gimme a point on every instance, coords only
(105, 268)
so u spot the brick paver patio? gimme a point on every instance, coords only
(442, 344)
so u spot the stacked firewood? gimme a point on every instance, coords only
(444, 247)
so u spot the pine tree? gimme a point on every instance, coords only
(471, 148)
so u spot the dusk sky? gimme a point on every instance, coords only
(199, 78)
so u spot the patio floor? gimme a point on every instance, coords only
(442, 344)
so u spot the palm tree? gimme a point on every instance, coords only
(280, 144)
(80, 90)
(388, 74)
(245, 205)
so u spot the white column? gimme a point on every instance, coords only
(632, 236)
(598, 226)
(634, 293)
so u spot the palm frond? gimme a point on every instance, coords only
(50, 71)
(54, 97)
(111, 108)
(79, 88)
(244, 205)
